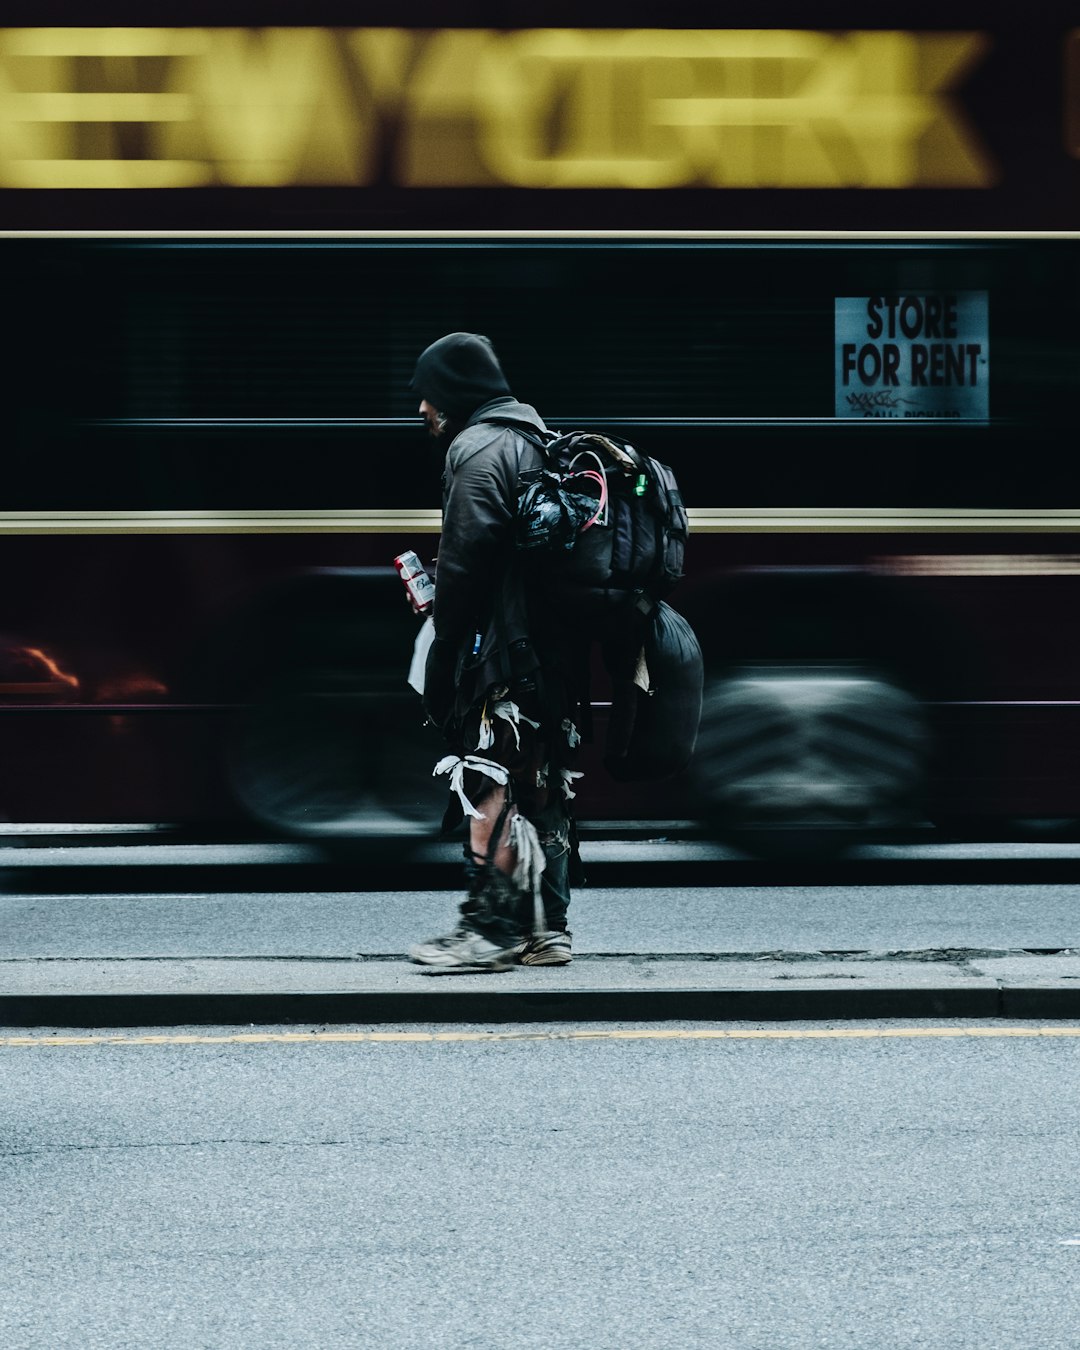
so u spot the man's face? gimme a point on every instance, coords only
(436, 422)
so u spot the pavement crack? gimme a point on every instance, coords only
(178, 960)
(825, 975)
(44, 1149)
(951, 955)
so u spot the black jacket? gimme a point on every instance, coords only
(479, 584)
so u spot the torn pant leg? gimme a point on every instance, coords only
(481, 790)
(494, 906)
(553, 828)
(515, 895)
(494, 902)
(532, 828)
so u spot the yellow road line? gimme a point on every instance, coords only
(586, 1034)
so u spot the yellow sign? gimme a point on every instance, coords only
(537, 108)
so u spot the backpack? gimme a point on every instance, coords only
(605, 528)
(604, 523)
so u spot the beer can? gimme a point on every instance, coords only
(418, 584)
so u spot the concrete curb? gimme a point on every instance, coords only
(1051, 1002)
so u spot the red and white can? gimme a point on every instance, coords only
(418, 584)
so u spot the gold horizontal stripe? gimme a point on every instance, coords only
(703, 520)
(877, 520)
(220, 522)
(586, 1034)
(980, 564)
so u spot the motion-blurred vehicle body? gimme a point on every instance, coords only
(214, 458)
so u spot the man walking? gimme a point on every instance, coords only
(501, 674)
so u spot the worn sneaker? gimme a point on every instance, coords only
(466, 948)
(546, 949)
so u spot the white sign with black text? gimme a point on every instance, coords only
(913, 356)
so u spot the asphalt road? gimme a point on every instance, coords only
(769, 1191)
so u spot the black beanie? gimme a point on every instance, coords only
(458, 374)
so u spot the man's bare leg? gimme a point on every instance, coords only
(488, 936)
(480, 831)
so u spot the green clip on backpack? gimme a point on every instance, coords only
(608, 522)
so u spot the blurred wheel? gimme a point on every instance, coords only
(314, 760)
(792, 760)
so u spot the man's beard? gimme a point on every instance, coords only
(443, 429)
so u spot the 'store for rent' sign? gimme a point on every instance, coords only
(913, 356)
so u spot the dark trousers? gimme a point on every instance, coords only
(535, 790)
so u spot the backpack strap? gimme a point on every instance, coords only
(527, 430)
(631, 461)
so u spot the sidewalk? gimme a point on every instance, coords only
(720, 953)
(637, 987)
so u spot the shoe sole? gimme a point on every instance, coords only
(504, 961)
(545, 958)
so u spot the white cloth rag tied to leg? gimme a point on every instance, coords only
(457, 767)
(530, 859)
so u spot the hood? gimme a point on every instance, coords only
(503, 410)
(458, 374)
(480, 433)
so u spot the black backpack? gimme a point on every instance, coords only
(604, 527)
(605, 523)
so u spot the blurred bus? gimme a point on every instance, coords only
(213, 455)
(829, 273)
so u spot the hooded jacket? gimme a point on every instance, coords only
(480, 588)
(479, 583)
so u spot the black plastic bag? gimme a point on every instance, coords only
(551, 513)
(652, 735)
